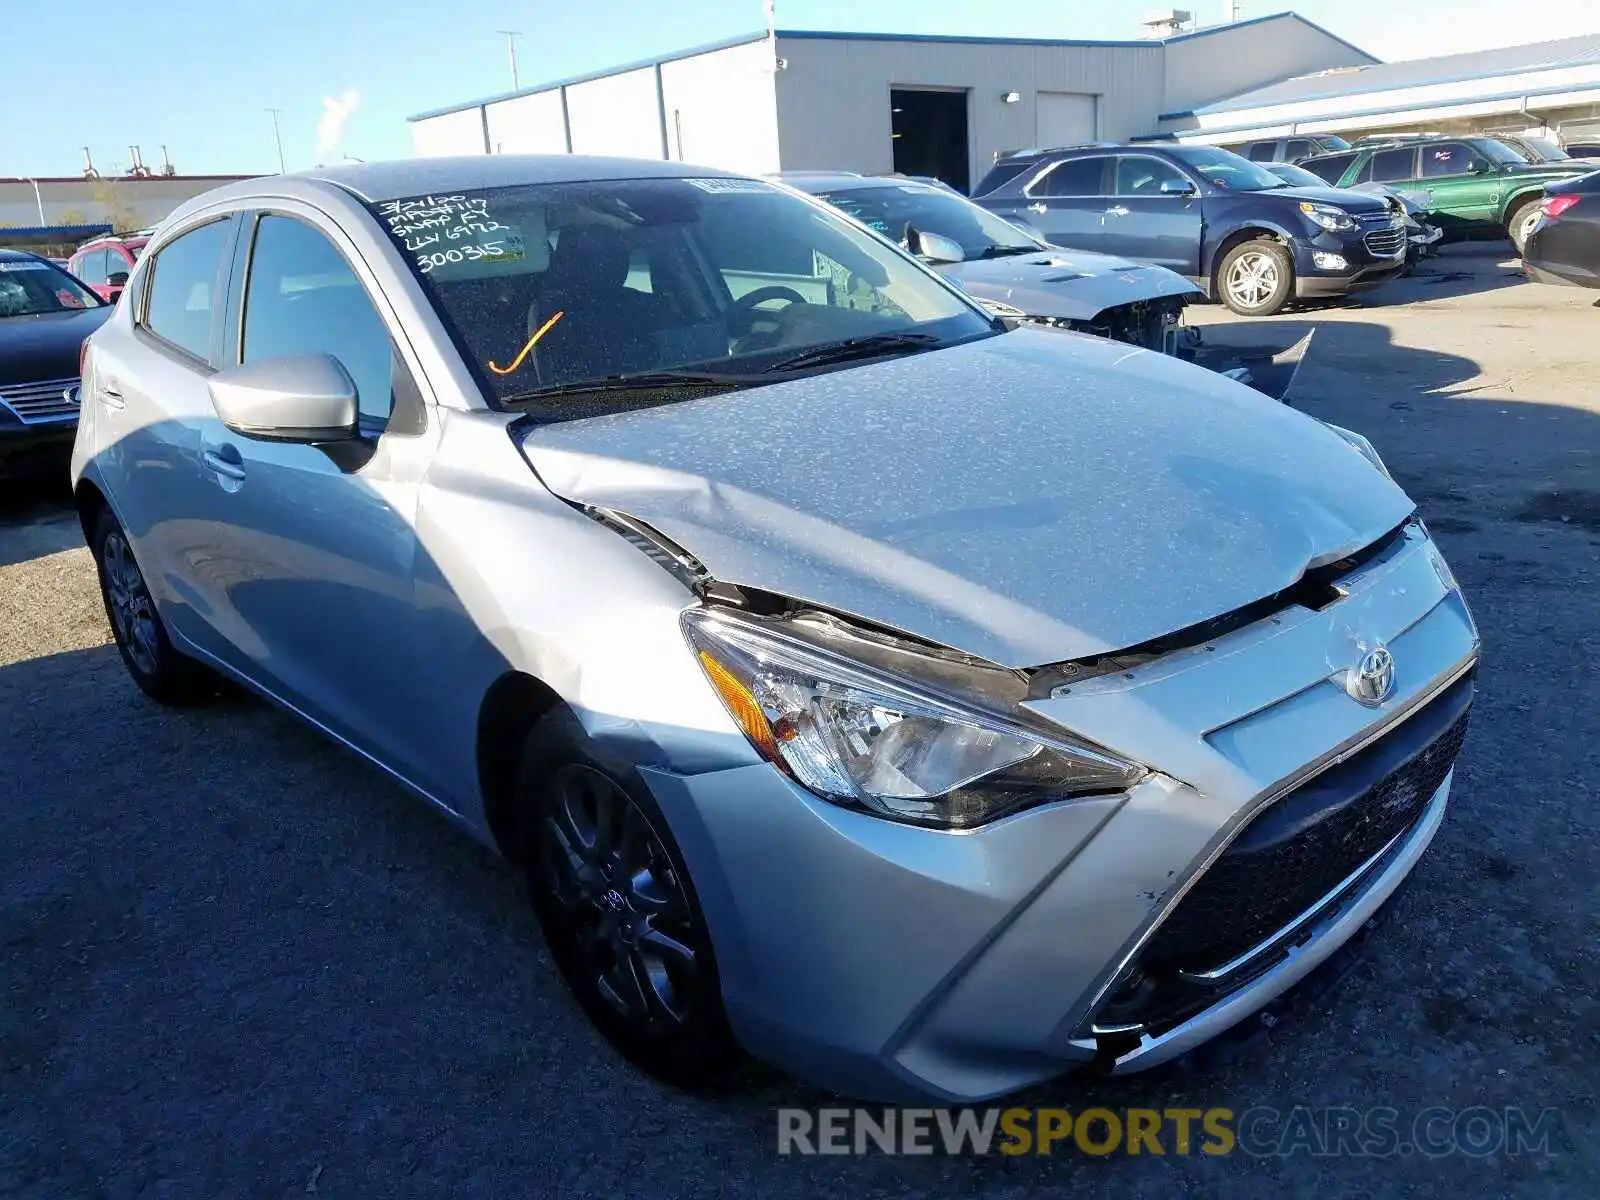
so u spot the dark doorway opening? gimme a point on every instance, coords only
(930, 135)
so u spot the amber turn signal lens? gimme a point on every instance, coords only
(742, 706)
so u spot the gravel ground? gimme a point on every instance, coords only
(238, 962)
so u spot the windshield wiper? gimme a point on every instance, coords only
(1008, 251)
(868, 346)
(638, 381)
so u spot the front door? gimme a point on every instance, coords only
(1145, 222)
(1466, 186)
(1065, 204)
(310, 564)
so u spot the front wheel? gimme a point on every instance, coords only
(1256, 278)
(1519, 225)
(618, 910)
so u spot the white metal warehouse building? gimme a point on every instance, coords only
(875, 103)
(1544, 87)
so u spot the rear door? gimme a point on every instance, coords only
(1066, 203)
(147, 383)
(1142, 221)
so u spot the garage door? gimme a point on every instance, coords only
(1064, 119)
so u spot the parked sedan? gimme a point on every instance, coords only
(45, 314)
(1011, 272)
(1246, 237)
(1564, 244)
(927, 707)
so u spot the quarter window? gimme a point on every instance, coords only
(1391, 166)
(182, 289)
(1074, 177)
(303, 298)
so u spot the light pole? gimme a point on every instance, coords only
(38, 200)
(278, 139)
(511, 44)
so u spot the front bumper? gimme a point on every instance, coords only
(1371, 255)
(30, 450)
(891, 962)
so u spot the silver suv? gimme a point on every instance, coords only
(923, 707)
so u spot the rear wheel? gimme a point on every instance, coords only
(1520, 223)
(1256, 278)
(160, 671)
(618, 910)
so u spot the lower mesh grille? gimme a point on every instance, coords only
(1269, 876)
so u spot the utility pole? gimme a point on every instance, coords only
(511, 44)
(38, 200)
(277, 139)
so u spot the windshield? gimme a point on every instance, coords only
(1224, 169)
(1500, 152)
(892, 209)
(1544, 150)
(552, 287)
(1296, 176)
(32, 286)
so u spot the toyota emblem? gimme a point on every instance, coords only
(1371, 681)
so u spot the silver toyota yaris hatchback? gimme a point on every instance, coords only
(923, 707)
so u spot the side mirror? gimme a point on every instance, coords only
(301, 398)
(117, 279)
(934, 247)
(1177, 187)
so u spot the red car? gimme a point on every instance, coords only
(105, 263)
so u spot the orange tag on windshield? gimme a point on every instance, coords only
(532, 342)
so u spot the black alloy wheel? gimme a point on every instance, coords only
(619, 913)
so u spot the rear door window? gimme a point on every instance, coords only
(181, 298)
(91, 267)
(1392, 166)
(1331, 168)
(1072, 177)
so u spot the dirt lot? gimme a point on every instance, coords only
(238, 962)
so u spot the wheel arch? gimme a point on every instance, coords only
(1517, 200)
(513, 705)
(1245, 233)
(90, 500)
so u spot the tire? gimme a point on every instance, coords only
(1519, 224)
(1256, 278)
(618, 910)
(161, 672)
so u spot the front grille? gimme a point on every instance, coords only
(1384, 242)
(1305, 844)
(43, 401)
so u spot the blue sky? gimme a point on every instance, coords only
(198, 75)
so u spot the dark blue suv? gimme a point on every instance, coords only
(1240, 232)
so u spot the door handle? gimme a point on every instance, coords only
(1116, 210)
(111, 397)
(225, 463)
(1037, 207)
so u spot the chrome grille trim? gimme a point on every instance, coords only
(41, 402)
(1384, 242)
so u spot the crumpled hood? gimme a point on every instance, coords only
(1349, 199)
(1073, 284)
(1028, 498)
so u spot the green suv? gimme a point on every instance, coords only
(1480, 187)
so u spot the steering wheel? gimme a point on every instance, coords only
(744, 314)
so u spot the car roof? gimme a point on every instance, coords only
(817, 182)
(376, 181)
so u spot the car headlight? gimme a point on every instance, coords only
(1334, 220)
(1362, 446)
(892, 747)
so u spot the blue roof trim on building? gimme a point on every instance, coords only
(591, 76)
(1420, 72)
(840, 35)
(1277, 16)
(1376, 110)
